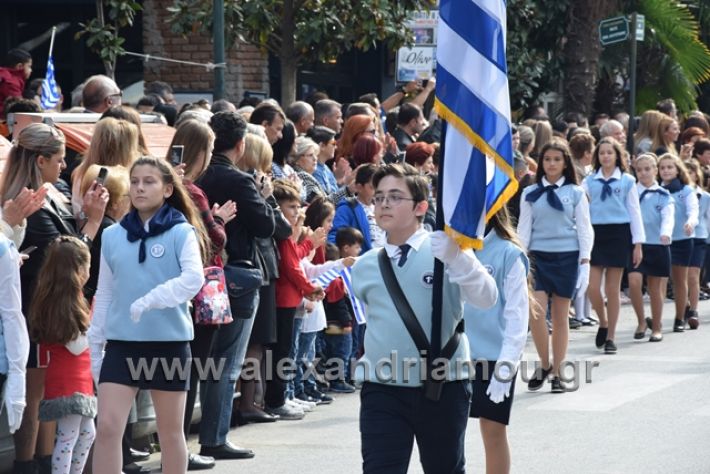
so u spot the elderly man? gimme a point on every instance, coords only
(614, 129)
(302, 115)
(329, 114)
(100, 93)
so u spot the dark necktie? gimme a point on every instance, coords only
(552, 198)
(606, 190)
(404, 250)
(648, 191)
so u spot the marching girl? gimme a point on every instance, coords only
(59, 318)
(674, 178)
(555, 228)
(151, 266)
(697, 261)
(616, 218)
(657, 210)
(497, 338)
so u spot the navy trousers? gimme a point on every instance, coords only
(391, 418)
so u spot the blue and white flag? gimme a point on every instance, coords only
(472, 96)
(325, 279)
(50, 94)
(358, 306)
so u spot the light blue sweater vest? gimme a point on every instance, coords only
(386, 337)
(681, 214)
(613, 209)
(485, 328)
(553, 230)
(651, 207)
(132, 280)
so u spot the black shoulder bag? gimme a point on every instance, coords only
(432, 388)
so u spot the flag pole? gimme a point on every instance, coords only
(437, 298)
(51, 42)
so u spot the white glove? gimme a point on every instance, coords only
(444, 247)
(14, 400)
(498, 390)
(137, 309)
(583, 277)
(97, 358)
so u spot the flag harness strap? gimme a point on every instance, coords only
(432, 388)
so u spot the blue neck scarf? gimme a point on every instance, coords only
(163, 220)
(606, 189)
(674, 186)
(552, 198)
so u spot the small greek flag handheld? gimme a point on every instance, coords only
(358, 306)
(326, 278)
(50, 93)
(472, 96)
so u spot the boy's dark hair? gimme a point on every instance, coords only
(348, 236)
(331, 252)
(320, 134)
(416, 183)
(266, 112)
(407, 113)
(17, 56)
(23, 105)
(286, 190)
(700, 147)
(229, 129)
(150, 100)
(364, 173)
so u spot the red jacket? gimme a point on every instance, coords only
(292, 284)
(12, 83)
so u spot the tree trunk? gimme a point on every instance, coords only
(110, 66)
(288, 56)
(582, 51)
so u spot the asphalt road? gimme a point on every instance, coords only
(646, 410)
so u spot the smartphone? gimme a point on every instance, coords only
(29, 249)
(101, 178)
(176, 152)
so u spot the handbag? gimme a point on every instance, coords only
(243, 281)
(211, 304)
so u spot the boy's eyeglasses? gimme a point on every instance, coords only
(393, 199)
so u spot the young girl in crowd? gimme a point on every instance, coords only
(674, 178)
(657, 210)
(59, 318)
(151, 266)
(497, 338)
(697, 261)
(555, 228)
(616, 218)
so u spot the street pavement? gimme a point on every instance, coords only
(646, 410)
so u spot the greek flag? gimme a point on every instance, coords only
(472, 96)
(326, 278)
(50, 93)
(358, 306)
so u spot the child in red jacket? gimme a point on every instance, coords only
(18, 67)
(291, 287)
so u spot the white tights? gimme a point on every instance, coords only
(75, 435)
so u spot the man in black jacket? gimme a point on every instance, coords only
(221, 182)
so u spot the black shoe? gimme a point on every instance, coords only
(306, 398)
(195, 462)
(138, 455)
(134, 468)
(538, 378)
(609, 347)
(557, 386)
(601, 337)
(24, 467)
(341, 387)
(653, 338)
(226, 451)
(693, 321)
(255, 417)
(320, 398)
(44, 464)
(678, 325)
(574, 324)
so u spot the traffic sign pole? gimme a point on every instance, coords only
(632, 88)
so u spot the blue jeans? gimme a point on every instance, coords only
(304, 358)
(296, 334)
(338, 347)
(216, 396)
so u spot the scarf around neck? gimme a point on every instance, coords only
(166, 218)
(674, 186)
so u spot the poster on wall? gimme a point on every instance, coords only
(418, 62)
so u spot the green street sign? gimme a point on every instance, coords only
(613, 30)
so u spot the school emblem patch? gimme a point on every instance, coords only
(566, 200)
(489, 269)
(428, 280)
(659, 208)
(157, 251)
(617, 191)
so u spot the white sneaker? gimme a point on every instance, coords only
(305, 406)
(286, 412)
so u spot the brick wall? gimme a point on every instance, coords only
(247, 67)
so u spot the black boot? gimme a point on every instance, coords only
(44, 464)
(24, 467)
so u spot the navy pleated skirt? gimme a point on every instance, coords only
(555, 272)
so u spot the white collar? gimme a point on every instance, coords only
(616, 174)
(558, 183)
(415, 241)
